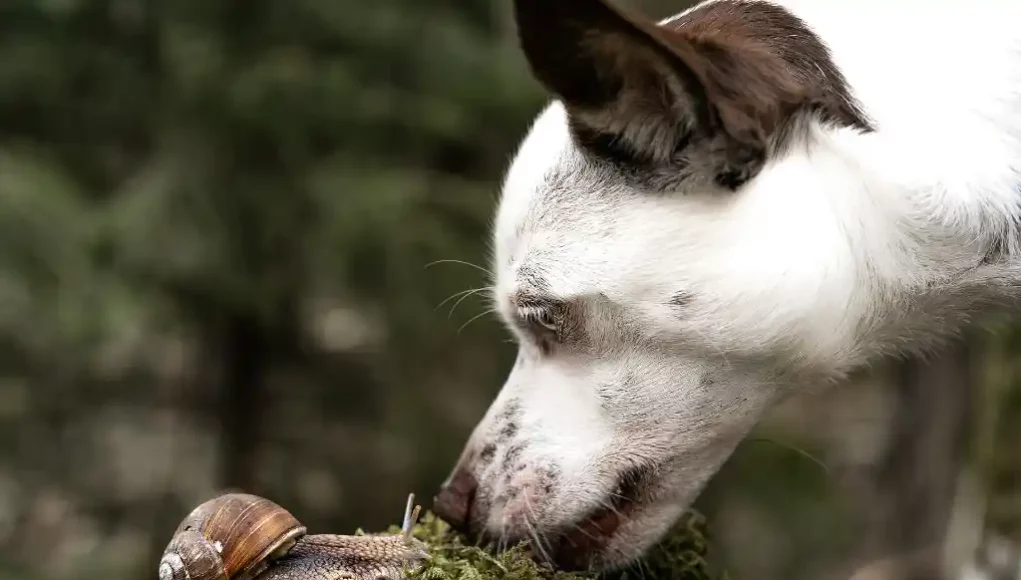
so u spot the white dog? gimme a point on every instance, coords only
(745, 200)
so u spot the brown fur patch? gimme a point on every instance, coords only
(709, 94)
(786, 48)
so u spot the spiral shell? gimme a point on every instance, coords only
(190, 556)
(231, 537)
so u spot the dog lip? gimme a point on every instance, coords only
(588, 537)
(576, 547)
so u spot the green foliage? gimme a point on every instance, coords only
(681, 556)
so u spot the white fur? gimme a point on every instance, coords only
(849, 246)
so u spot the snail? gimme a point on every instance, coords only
(239, 536)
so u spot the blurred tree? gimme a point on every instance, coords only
(914, 484)
(215, 222)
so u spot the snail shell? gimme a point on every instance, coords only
(231, 537)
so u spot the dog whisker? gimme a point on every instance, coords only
(463, 263)
(609, 505)
(465, 296)
(540, 548)
(469, 292)
(642, 565)
(476, 317)
(533, 533)
(582, 531)
(795, 449)
(501, 542)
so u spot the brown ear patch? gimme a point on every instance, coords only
(709, 94)
(780, 50)
(626, 88)
(585, 51)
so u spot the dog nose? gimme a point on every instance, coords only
(454, 501)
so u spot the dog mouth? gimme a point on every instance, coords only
(577, 547)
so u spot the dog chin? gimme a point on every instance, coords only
(613, 538)
(630, 520)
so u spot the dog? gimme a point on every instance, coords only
(716, 211)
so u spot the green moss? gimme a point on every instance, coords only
(681, 556)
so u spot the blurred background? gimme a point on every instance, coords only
(226, 231)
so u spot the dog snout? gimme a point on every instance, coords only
(456, 498)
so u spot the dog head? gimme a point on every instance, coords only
(660, 300)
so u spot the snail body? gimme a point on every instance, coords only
(240, 536)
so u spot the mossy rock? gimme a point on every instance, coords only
(681, 556)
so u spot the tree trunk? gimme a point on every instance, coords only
(916, 479)
(245, 353)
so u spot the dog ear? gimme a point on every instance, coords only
(640, 93)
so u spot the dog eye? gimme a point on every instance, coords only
(540, 317)
(541, 323)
